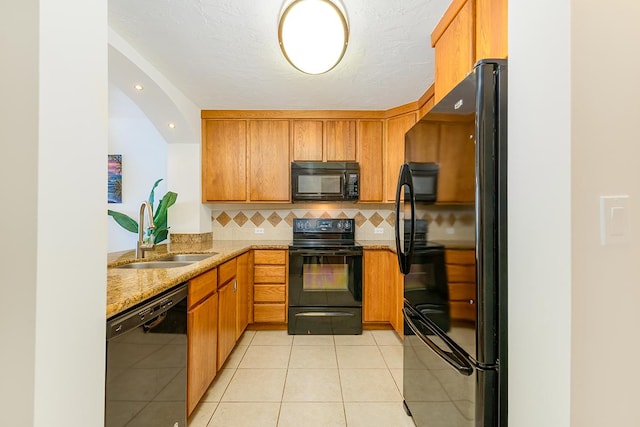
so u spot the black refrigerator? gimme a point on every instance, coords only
(455, 371)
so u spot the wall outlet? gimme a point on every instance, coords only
(450, 230)
(378, 230)
(258, 230)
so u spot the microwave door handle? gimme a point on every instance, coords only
(457, 357)
(404, 178)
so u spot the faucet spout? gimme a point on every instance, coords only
(143, 246)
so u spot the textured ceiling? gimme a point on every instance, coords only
(224, 54)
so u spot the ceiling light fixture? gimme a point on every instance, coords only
(138, 87)
(172, 125)
(313, 34)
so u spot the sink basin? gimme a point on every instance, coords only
(187, 257)
(155, 264)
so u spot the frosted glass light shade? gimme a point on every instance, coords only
(313, 35)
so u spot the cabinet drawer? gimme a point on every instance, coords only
(269, 313)
(462, 291)
(461, 273)
(269, 274)
(460, 257)
(463, 310)
(226, 271)
(269, 293)
(269, 257)
(201, 286)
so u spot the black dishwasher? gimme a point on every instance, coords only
(146, 367)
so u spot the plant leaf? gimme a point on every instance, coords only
(160, 216)
(160, 234)
(125, 221)
(151, 194)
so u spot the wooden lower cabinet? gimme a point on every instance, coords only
(202, 327)
(383, 291)
(244, 279)
(376, 288)
(270, 268)
(227, 313)
(461, 275)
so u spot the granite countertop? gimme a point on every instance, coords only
(128, 287)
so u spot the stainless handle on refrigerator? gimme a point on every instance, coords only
(457, 357)
(404, 258)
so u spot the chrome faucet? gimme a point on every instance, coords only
(141, 247)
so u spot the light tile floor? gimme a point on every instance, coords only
(272, 379)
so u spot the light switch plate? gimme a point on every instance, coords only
(378, 230)
(614, 220)
(258, 230)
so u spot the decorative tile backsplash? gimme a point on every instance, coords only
(373, 222)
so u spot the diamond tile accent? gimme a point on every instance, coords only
(308, 215)
(376, 219)
(391, 219)
(289, 219)
(240, 219)
(359, 219)
(451, 219)
(467, 219)
(428, 218)
(223, 218)
(274, 219)
(257, 219)
(342, 215)
(325, 214)
(439, 220)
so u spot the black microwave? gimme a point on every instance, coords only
(324, 181)
(425, 181)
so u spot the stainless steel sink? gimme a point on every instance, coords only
(155, 264)
(187, 257)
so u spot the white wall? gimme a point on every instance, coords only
(540, 213)
(54, 136)
(605, 153)
(144, 160)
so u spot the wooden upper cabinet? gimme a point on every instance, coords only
(394, 151)
(491, 29)
(269, 154)
(340, 140)
(370, 157)
(456, 179)
(454, 43)
(307, 140)
(422, 145)
(324, 140)
(224, 156)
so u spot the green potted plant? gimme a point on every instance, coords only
(161, 229)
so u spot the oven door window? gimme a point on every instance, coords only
(325, 280)
(325, 277)
(320, 184)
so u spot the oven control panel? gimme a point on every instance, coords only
(322, 225)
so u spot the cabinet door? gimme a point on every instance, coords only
(456, 180)
(242, 294)
(226, 321)
(454, 42)
(422, 143)
(396, 280)
(202, 324)
(224, 153)
(370, 157)
(491, 29)
(307, 140)
(394, 150)
(269, 154)
(377, 288)
(340, 140)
